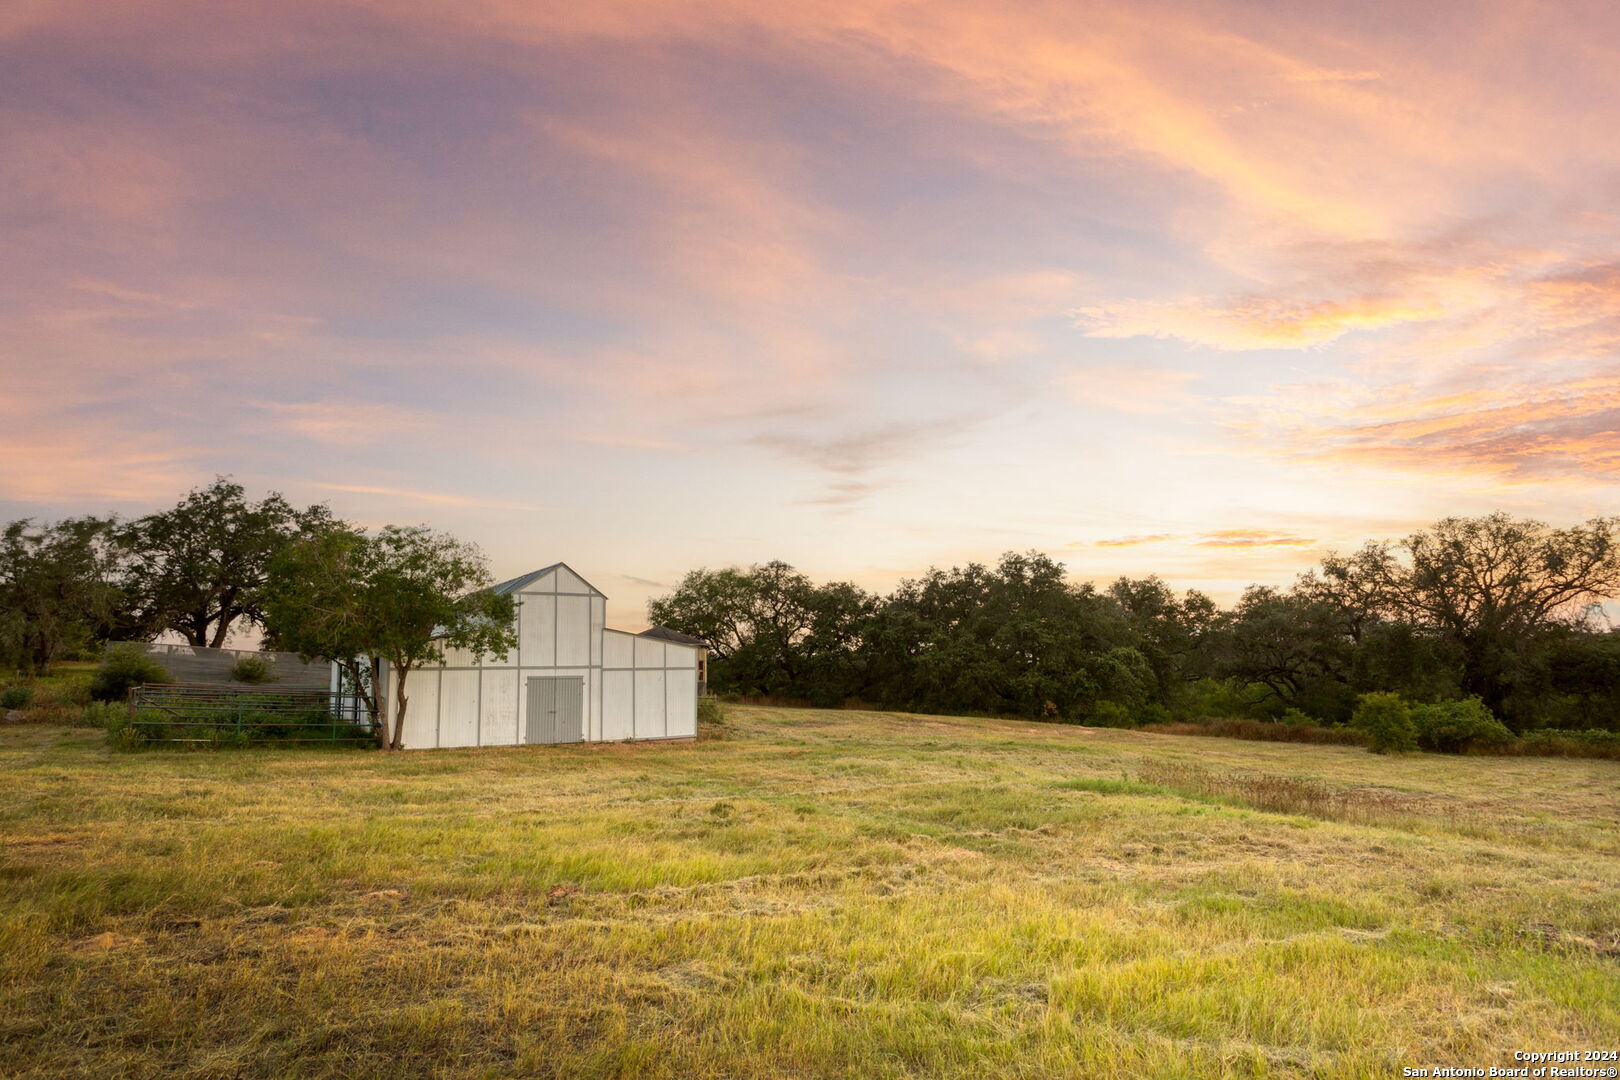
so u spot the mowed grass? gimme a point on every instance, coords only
(809, 894)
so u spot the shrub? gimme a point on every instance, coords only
(1296, 718)
(1111, 714)
(16, 697)
(123, 667)
(1387, 720)
(710, 711)
(252, 669)
(1451, 727)
(1153, 713)
(103, 714)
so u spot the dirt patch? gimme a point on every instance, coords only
(102, 943)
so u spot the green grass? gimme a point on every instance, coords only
(809, 894)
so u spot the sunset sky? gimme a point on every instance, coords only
(1199, 288)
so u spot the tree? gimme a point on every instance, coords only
(1492, 586)
(58, 589)
(201, 566)
(753, 619)
(1294, 646)
(400, 597)
(1170, 633)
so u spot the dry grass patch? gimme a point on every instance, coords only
(818, 894)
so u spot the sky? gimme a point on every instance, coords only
(1202, 288)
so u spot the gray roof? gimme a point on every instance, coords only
(518, 584)
(506, 588)
(666, 634)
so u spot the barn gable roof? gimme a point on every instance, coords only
(519, 583)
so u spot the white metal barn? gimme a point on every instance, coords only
(571, 679)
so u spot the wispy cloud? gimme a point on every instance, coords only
(432, 498)
(914, 267)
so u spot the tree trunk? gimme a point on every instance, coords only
(396, 742)
(220, 634)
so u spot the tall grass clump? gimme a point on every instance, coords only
(1264, 731)
(1279, 794)
(103, 714)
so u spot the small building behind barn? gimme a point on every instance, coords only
(570, 679)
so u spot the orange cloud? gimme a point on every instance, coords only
(1218, 538)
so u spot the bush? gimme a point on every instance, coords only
(1451, 727)
(103, 714)
(16, 697)
(123, 667)
(1387, 720)
(710, 711)
(1111, 714)
(252, 669)
(1296, 718)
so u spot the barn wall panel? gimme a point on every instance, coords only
(618, 649)
(458, 708)
(422, 711)
(538, 623)
(570, 582)
(649, 652)
(573, 631)
(498, 708)
(618, 719)
(598, 621)
(680, 701)
(649, 704)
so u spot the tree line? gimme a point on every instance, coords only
(1494, 608)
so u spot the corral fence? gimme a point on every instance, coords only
(246, 716)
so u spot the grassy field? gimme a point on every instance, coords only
(802, 894)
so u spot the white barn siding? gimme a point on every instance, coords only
(618, 696)
(618, 649)
(458, 708)
(421, 709)
(498, 708)
(680, 702)
(649, 704)
(573, 631)
(633, 687)
(537, 629)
